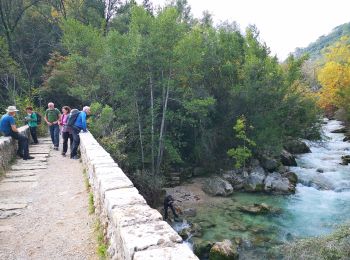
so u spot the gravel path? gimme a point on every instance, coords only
(44, 209)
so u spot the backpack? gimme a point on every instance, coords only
(38, 116)
(73, 115)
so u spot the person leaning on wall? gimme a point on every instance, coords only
(8, 128)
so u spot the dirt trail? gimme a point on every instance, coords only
(44, 209)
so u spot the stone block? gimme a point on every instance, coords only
(135, 214)
(140, 237)
(122, 198)
(178, 252)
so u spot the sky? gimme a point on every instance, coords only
(283, 24)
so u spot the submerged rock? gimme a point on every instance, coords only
(201, 247)
(224, 250)
(217, 186)
(296, 147)
(256, 209)
(287, 159)
(292, 177)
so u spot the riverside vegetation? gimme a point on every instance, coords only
(171, 93)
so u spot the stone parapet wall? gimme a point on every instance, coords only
(134, 230)
(8, 148)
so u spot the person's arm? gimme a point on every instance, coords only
(13, 125)
(46, 120)
(58, 117)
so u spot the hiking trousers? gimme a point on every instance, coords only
(55, 134)
(23, 148)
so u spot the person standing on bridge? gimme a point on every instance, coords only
(52, 118)
(66, 130)
(8, 127)
(79, 125)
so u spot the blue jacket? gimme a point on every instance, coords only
(5, 124)
(80, 122)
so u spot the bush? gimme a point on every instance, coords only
(150, 187)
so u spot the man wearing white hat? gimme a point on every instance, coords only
(8, 127)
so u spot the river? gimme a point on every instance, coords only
(321, 202)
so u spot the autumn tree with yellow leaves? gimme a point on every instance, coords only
(334, 76)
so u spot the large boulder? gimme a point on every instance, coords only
(292, 177)
(287, 159)
(255, 180)
(217, 186)
(224, 250)
(235, 178)
(296, 146)
(277, 184)
(268, 163)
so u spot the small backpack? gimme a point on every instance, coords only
(38, 118)
(73, 115)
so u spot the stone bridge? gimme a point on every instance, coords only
(44, 208)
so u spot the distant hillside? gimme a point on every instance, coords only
(315, 48)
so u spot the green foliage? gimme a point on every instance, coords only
(91, 203)
(333, 246)
(241, 153)
(102, 246)
(315, 49)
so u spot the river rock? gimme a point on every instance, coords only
(346, 139)
(287, 159)
(292, 177)
(296, 146)
(224, 250)
(255, 180)
(201, 247)
(277, 184)
(339, 131)
(196, 230)
(268, 163)
(345, 159)
(235, 178)
(191, 212)
(217, 186)
(255, 208)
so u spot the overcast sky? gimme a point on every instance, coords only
(283, 24)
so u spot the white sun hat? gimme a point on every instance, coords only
(12, 109)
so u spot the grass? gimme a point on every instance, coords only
(86, 180)
(101, 244)
(91, 203)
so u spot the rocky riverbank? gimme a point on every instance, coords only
(248, 208)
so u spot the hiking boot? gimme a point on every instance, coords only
(63, 154)
(56, 148)
(28, 158)
(76, 157)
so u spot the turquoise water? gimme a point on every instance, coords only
(321, 202)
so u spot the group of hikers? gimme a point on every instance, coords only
(69, 122)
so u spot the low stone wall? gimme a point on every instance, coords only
(8, 148)
(134, 230)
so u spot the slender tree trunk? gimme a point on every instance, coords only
(152, 118)
(162, 127)
(140, 134)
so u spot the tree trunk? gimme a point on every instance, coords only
(140, 135)
(161, 134)
(152, 119)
